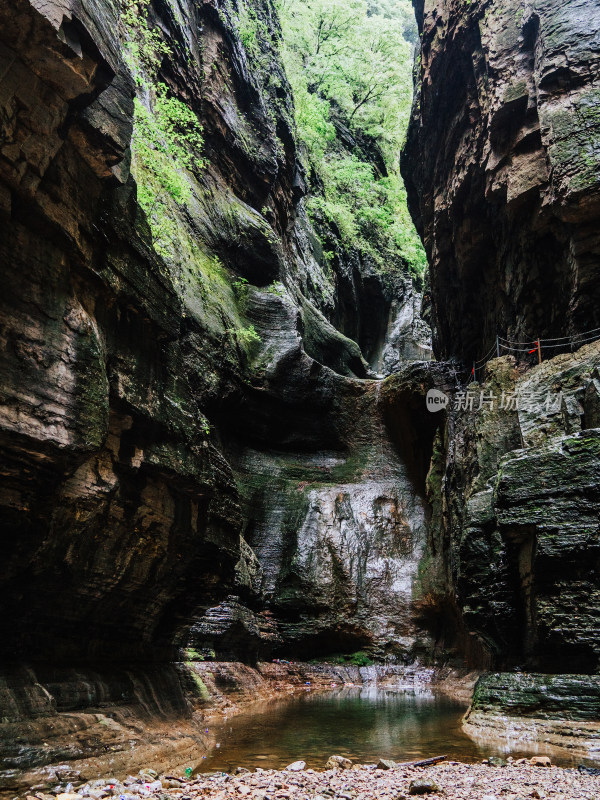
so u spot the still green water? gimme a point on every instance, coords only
(362, 724)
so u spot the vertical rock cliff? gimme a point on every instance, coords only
(213, 430)
(170, 336)
(501, 165)
(502, 168)
(195, 450)
(110, 483)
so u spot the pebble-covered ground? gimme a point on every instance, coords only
(448, 780)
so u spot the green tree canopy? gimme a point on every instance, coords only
(350, 66)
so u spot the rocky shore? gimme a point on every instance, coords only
(115, 722)
(493, 780)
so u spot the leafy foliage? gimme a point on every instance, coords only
(167, 137)
(167, 148)
(165, 141)
(248, 27)
(248, 336)
(240, 288)
(350, 66)
(358, 659)
(144, 47)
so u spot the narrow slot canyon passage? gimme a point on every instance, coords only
(299, 399)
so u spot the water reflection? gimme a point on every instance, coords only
(364, 724)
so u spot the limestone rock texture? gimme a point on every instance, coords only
(510, 571)
(196, 457)
(502, 169)
(560, 710)
(514, 537)
(151, 419)
(214, 440)
(119, 516)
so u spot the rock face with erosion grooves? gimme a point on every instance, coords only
(214, 438)
(502, 168)
(172, 430)
(519, 493)
(195, 460)
(533, 708)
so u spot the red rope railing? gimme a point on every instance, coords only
(537, 348)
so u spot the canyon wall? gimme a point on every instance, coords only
(514, 539)
(181, 419)
(196, 457)
(197, 460)
(214, 437)
(502, 168)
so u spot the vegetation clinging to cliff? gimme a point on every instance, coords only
(164, 141)
(166, 160)
(167, 137)
(349, 63)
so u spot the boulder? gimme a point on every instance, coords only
(423, 786)
(338, 762)
(540, 761)
(297, 766)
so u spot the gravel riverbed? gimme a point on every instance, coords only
(449, 780)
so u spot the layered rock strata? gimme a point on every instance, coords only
(501, 167)
(560, 710)
(515, 540)
(502, 172)
(72, 725)
(142, 392)
(193, 445)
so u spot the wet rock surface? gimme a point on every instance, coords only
(507, 201)
(113, 720)
(560, 709)
(146, 443)
(193, 456)
(155, 467)
(542, 696)
(205, 460)
(110, 482)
